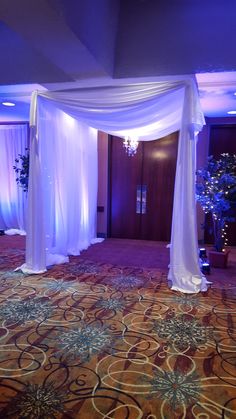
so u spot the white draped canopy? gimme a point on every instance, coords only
(63, 167)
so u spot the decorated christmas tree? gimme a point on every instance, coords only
(216, 193)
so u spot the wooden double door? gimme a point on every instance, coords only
(141, 189)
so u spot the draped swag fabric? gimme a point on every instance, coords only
(13, 141)
(59, 176)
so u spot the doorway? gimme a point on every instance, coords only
(141, 189)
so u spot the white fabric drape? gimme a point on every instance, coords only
(148, 111)
(63, 189)
(13, 141)
(184, 271)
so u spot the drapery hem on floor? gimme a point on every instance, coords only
(15, 231)
(201, 285)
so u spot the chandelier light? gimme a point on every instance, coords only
(130, 145)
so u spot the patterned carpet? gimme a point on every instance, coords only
(95, 340)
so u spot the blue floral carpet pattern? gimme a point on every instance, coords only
(94, 341)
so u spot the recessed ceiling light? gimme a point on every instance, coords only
(8, 104)
(234, 93)
(231, 112)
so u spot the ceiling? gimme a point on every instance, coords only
(56, 44)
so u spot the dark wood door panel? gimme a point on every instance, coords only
(153, 167)
(159, 166)
(125, 176)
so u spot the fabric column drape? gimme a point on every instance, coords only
(63, 189)
(184, 272)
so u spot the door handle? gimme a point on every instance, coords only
(139, 199)
(144, 199)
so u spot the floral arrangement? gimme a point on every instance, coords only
(216, 193)
(22, 170)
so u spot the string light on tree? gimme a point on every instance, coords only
(216, 193)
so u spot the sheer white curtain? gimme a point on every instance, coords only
(63, 184)
(148, 111)
(184, 271)
(13, 141)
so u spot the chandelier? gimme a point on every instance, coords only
(130, 145)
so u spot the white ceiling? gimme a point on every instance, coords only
(53, 44)
(217, 93)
